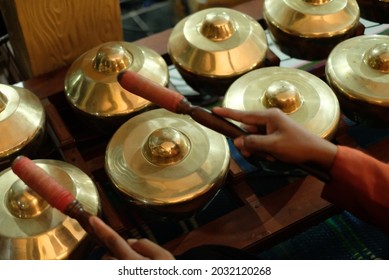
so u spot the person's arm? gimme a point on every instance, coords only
(360, 183)
(273, 133)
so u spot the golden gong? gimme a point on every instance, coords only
(167, 162)
(310, 29)
(358, 71)
(91, 85)
(214, 46)
(22, 123)
(30, 229)
(304, 97)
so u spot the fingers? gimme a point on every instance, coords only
(254, 144)
(118, 247)
(150, 249)
(257, 118)
(254, 123)
(132, 249)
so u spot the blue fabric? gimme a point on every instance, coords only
(366, 136)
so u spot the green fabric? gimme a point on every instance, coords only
(341, 237)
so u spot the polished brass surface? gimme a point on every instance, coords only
(309, 101)
(317, 2)
(112, 59)
(358, 68)
(23, 202)
(91, 82)
(312, 19)
(172, 187)
(31, 229)
(283, 95)
(166, 146)
(378, 57)
(217, 27)
(22, 121)
(217, 42)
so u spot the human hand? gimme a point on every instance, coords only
(132, 249)
(273, 133)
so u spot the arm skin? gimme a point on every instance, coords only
(360, 183)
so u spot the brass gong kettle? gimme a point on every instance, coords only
(214, 46)
(92, 89)
(167, 163)
(358, 71)
(30, 229)
(22, 123)
(304, 97)
(310, 29)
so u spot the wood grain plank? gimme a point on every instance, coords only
(49, 34)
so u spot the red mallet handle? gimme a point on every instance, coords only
(150, 90)
(42, 183)
(50, 190)
(176, 103)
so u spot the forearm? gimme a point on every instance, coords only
(319, 152)
(360, 184)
